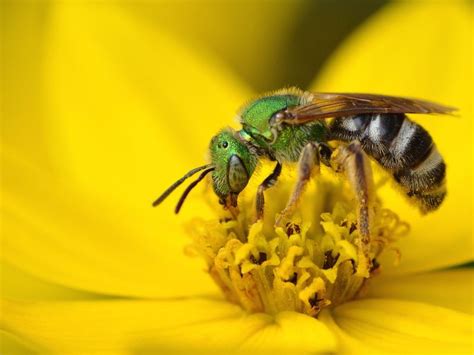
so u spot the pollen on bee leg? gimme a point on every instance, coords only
(306, 265)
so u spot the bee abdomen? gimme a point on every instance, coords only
(425, 181)
(402, 147)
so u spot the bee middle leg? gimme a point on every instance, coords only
(352, 160)
(308, 164)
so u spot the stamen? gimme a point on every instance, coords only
(310, 264)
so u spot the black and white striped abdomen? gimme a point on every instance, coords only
(401, 146)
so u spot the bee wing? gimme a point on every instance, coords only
(325, 105)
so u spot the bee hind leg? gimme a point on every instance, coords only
(355, 164)
(308, 164)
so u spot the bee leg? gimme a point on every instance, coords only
(267, 183)
(230, 204)
(354, 163)
(308, 164)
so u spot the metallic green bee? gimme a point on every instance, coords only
(341, 131)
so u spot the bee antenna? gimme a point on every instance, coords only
(189, 188)
(170, 189)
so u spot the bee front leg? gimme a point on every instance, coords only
(267, 183)
(352, 160)
(308, 164)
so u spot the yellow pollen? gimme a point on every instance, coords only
(311, 263)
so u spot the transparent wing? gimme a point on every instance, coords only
(325, 105)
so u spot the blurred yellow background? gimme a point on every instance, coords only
(104, 103)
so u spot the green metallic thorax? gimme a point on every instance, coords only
(256, 115)
(290, 140)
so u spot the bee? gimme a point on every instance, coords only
(342, 131)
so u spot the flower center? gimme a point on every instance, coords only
(310, 263)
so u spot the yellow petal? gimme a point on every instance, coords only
(392, 326)
(421, 49)
(153, 326)
(249, 32)
(451, 289)
(61, 236)
(346, 343)
(130, 109)
(23, 114)
(125, 111)
(291, 333)
(10, 344)
(17, 284)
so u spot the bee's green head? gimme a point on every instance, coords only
(233, 162)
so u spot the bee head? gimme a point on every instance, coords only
(233, 164)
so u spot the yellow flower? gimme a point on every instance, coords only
(113, 109)
(312, 262)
